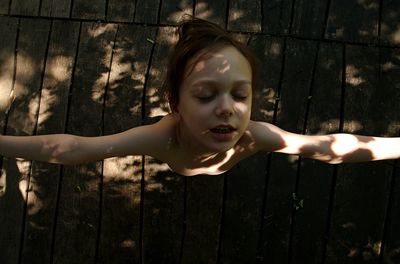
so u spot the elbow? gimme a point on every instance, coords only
(66, 151)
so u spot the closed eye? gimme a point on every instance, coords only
(205, 99)
(240, 97)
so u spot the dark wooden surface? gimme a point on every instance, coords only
(94, 68)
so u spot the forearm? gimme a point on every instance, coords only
(58, 148)
(345, 148)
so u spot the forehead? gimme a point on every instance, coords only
(224, 64)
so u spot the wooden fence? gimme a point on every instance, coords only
(94, 67)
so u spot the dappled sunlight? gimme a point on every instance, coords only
(352, 126)
(154, 98)
(368, 252)
(24, 167)
(235, 14)
(395, 36)
(6, 80)
(275, 49)
(153, 168)
(393, 128)
(26, 69)
(203, 10)
(369, 4)
(328, 126)
(353, 75)
(123, 168)
(346, 144)
(98, 88)
(100, 29)
(3, 182)
(59, 68)
(185, 7)
(47, 100)
(122, 175)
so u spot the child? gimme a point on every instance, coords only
(210, 83)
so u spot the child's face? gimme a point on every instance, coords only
(215, 100)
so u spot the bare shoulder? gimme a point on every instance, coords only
(266, 136)
(149, 140)
(162, 134)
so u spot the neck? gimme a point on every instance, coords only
(195, 151)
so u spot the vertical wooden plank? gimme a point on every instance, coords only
(283, 171)
(390, 67)
(243, 210)
(315, 180)
(4, 5)
(203, 218)
(121, 11)
(355, 21)
(8, 27)
(362, 189)
(55, 8)
(119, 240)
(390, 29)
(147, 11)
(77, 222)
(25, 7)
(269, 51)
(309, 18)
(95, 9)
(45, 177)
(32, 44)
(276, 16)
(214, 11)
(172, 11)
(163, 190)
(245, 15)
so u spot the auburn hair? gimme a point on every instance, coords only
(198, 36)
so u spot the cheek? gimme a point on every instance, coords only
(243, 109)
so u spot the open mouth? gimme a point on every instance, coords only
(222, 129)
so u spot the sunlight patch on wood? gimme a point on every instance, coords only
(235, 14)
(128, 168)
(395, 36)
(203, 10)
(185, 7)
(47, 100)
(368, 4)
(98, 88)
(3, 182)
(6, 79)
(100, 29)
(26, 67)
(33, 108)
(275, 49)
(24, 167)
(328, 126)
(60, 68)
(352, 126)
(167, 36)
(353, 75)
(154, 99)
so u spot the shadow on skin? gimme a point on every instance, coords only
(339, 153)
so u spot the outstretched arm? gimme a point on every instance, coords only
(70, 149)
(333, 149)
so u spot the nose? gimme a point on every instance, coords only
(224, 107)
